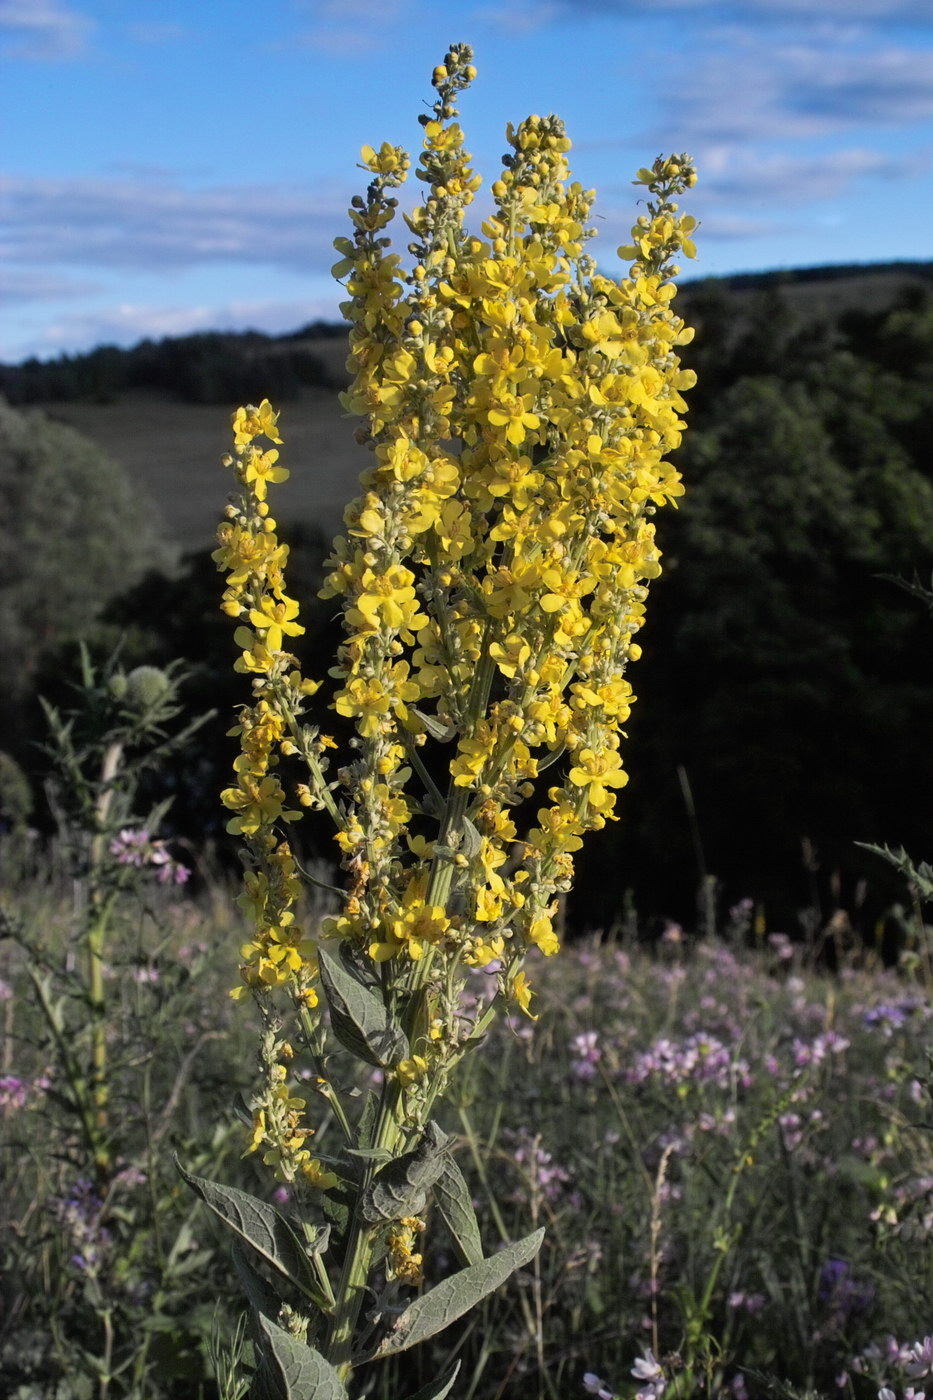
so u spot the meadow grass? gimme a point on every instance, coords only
(731, 1153)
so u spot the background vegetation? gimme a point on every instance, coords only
(729, 1147)
(784, 679)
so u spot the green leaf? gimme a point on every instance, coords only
(261, 1296)
(360, 1020)
(440, 1387)
(336, 1205)
(456, 1295)
(261, 1226)
(920, 876)
(366, 1125)
(452, 1195)
(435, 727)
(290, 1369)
(401, 1188)
(472, 840)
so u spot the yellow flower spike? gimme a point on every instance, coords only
(521, 409)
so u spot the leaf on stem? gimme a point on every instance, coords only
(456, 1295)
(401, 1188)
(262, 1228)
(261, 1297)
(290, 1369)
(360, 1019)
(452, 1195)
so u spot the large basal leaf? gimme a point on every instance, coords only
(358, 1015)
(260, 1225)
(456, 1295)
(401, 1187)
(452, 1196)
(440, 1387)
(290, 1369)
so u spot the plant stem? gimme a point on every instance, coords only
(359, 1247)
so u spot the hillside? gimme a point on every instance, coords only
(161, 410)
(783, 673)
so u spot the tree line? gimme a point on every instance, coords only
(786, 684)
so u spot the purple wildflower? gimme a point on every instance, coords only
(587, 1053)
(646, 1368)
(140, 850)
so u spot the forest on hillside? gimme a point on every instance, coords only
(786, 687)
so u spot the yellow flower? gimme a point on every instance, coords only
(316, 1175)
(250, 422)
(260, 469)
(275, 618)
(521, 991)
(596, 773)
(411, 1070)
(513, 413)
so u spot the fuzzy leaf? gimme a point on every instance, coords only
(472, 840)
(336, 1206)
(260, 1295)
(401, 1187)
(291, 1369)
(435, 727)
(456, 1295)
(452, 1195)
(260, 1225)
(440, 1387)
(366, 1125)
(359, 1018)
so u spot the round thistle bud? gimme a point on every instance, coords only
(145, 687)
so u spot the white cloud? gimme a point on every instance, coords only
(914, 12)
(155, 224)
(21, 285)
(42, 30)
(347, 27)
(131, 322)
(737, 176)
(751, 90)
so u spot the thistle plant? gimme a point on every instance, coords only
(520, 405)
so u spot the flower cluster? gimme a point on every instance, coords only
(402, 1261)
(493, 575)
(140, 849)
(520, 407)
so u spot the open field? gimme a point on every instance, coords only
(730, 1154)
(173, 450)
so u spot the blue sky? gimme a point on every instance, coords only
(178, 165)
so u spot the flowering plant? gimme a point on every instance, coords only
(519, 405)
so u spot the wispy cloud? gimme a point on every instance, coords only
(752, 90)
(21, 285)
(156, 32)
(152, 225)
(347, 27)
(42, 30)
(736, 176)
(914, 12)
(129, 323)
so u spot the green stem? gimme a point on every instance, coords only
(351, 1288)
(100, 1089)
(80, 1093)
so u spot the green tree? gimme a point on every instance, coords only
(72, 534)
(783, 674)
